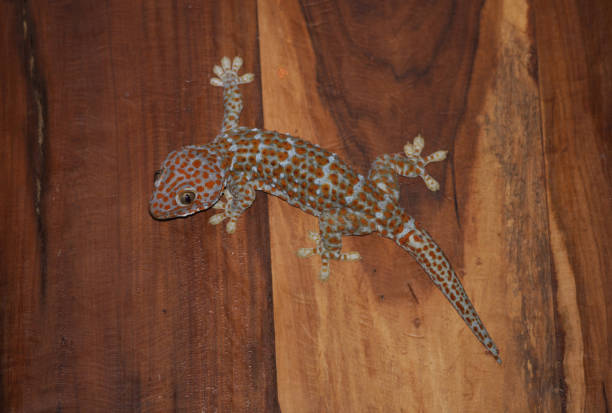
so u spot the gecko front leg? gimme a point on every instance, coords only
(326, 254)
(332, 226)
(239, 196)
(229, 80)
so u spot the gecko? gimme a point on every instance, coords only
(242, 160)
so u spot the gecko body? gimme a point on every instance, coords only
(241, 161)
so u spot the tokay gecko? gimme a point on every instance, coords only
(243, 160)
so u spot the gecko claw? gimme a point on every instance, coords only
(415, 148)
(324, 274)
(225, 63)
(237, 63)
(231, 226)
(217, 218)
(246, 78)
(216, 82)
(431, 183)
(350, 256)
(305, 252)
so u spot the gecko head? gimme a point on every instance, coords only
(190, 180)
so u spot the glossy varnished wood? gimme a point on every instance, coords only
(104, 309)
(378, 336)
(575, 64)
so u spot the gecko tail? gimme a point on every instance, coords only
(414, 239)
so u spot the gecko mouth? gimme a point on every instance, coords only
(157, 214)
(168, 215)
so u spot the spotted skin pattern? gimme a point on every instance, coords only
(241, 161)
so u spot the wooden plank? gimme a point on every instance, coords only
(575, 62)
(21, 234)
(361, 80)
(105, 309)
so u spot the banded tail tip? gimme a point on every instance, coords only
(497, 358)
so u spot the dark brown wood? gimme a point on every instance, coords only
(103, 308)
(575, 77)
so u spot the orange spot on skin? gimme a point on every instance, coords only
(322, 160)
(282, 72)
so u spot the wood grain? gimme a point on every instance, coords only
(105, 309)
(378, 336)
(575, 66)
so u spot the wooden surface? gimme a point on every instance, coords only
(104, 309)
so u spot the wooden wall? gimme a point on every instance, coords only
(104, 309)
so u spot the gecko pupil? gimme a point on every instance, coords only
(187, 197)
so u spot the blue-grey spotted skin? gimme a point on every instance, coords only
(226, 173)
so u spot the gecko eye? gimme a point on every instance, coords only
(186, 197)
(157, 176)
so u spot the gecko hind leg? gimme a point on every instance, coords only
(409, 164)
(416, 163)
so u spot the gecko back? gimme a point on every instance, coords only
(241, 161)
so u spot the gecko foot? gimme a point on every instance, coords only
(413, 153)
(326, 255)
(220, 217)
(216, 219)
(228, 73)
(309, 252)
